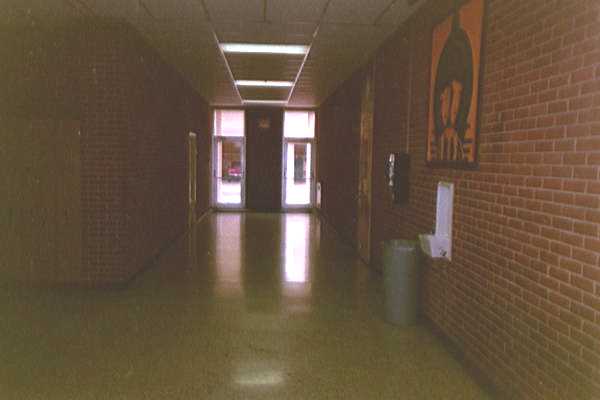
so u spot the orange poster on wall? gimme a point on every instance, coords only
(454, 87)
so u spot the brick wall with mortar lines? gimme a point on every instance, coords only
(202, 114)
(137, 116)
(521, 298)
(389, 126)
(40, 172)
(135, 113)
(164, 111)
(103, 152)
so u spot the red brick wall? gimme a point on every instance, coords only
(164, 109)
(104, 112)
(135, 113)
(138, 117)
(204, 131)
(521, 298)
(39, 158)
(390, 127)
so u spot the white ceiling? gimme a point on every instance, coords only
(343, 34)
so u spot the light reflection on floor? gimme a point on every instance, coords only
(248, 306)
(295, 241)
(228, 255)
(229, 192)
(297, 193)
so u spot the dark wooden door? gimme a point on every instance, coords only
(264, 132)
(365, 167)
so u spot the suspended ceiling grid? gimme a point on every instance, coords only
(342, 34)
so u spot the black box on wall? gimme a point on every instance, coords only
(398, 173)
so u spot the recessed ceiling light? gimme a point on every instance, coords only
(265, 83)
(263, 48)
(266, 101)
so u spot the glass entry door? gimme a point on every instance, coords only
(229, 159)
(297, 173)
(230, 171)
(298, 151)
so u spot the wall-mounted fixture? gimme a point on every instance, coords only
(265, 102)
(397, 174)
(439, 245)
(270, 84)
(273, 84)
(318, 195)
(263, 48)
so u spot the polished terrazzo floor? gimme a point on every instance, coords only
(248, 306)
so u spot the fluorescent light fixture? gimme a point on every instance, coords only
(265, 83)
(260, 378)
(266, 101)
(257, 374)
(263, 48)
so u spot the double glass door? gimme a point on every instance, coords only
(229, 143)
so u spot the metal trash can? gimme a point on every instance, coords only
(400, 281)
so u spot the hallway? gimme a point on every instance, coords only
(249, 306)
(123, 120)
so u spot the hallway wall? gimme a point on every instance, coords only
(521, 298)
(338, 139)
(40, 214)
(135, 114)
(40, 157)
(160, 109)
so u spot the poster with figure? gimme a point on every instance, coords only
(454, 87)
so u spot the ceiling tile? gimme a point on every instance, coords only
(399, 12)
(264, 66)
(236, 10)
(181, 32)
(111, 8)
(356, 11)
(175, 9)
(263, 32)
(255, 93)
(46, 12)
(192, 50)
(338, 50)
(294, 10)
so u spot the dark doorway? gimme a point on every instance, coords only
(264, 131)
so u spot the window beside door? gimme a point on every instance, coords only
(299, 124)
